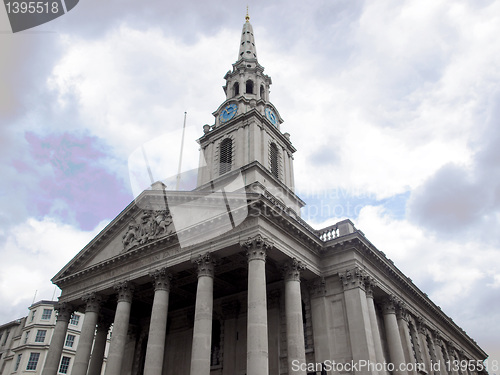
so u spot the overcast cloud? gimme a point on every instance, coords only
(393, 106)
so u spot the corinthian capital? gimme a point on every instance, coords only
(292, 269)
(92, 302)
(64, 311)
(353, 278)
(205, 265)
(317, 287)
(390, 304)
(257, 247)
(370, 283)
(401, 311)
(125, 291)
(161, 279)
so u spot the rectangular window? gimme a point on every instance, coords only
(18, 362)
(26, 337)
(33, 315)
(47, 314)
(70, 340)
(40, 335)
(33, 361)
(74, 319)
(63, 369)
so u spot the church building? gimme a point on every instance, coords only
(228, 279)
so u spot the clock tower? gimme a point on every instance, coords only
(246, 139)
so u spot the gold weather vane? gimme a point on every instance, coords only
(247, 17)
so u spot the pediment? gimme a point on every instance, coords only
(189, 218)
(143, 222)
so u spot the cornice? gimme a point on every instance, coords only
(359, 242)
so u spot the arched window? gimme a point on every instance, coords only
(262, 91)
(236, 89)
(226, 156)
(249, 87)
(273, 155)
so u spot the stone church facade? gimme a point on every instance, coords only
(227, 279)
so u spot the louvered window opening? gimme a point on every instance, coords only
(226, 156)
(274, 160)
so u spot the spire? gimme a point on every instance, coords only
(247, 45)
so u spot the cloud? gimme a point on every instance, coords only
(142, 81)
(464, 200)
(32, 252)
(407, 99)
(459, 276)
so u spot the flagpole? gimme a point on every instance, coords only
(180, 156)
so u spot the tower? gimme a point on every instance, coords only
(246, 137)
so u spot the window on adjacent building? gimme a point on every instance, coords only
(226, 156)
(273, 155)
(18, 362)
(249, 87)
(26, 337)
(40, 335)
(74, 319)
(33, 361)
(70, 340)
(47, 314)
(33, 313)
(63, 368)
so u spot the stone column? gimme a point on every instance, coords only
(64, 312)
(202, 330)
(452, 356)
(100, 340)
(433, 353)
(296, 350)
(404, 332)
(424, 347)
(320, 323)
(358, 320)
(257, 340)
(439, 352)
(82, 356)
(120, 328)
(463, 357)
(377, 340)
(158, 324)
(393, 337)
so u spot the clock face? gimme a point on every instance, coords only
(228, 113)
(271, 116)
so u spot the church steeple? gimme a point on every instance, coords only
(246, 136)
(247, 45)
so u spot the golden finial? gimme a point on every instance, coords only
(247, 17)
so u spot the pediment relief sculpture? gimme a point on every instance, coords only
(149, 226)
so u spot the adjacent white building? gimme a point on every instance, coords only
(24, 343)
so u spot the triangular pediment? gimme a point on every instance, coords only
(156, 218)
(146, 220)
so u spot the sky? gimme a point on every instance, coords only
(393, 107)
